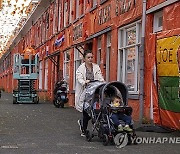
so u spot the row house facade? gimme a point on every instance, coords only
(134, 41)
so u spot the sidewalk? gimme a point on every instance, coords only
(44, 129)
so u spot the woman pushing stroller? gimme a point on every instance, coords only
(86, 72)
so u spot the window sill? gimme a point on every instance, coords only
(133, 96)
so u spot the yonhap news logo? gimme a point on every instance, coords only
(121, 140)
(156, 140)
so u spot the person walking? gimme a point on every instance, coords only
(86, 72)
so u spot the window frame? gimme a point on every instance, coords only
(99, 51)
(46, 74)
(70, 12)
(65, 66)
(78, 58)
(77, 9)
(40, 75)
(108, 52)
(122, 54)
(157, 16)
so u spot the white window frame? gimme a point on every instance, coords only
(46, 74)
(78, 59)
(122, 54)
(156, 22)
(66, 61)
(54, 21)
(66, 3)
(59, 15)
(70, 11)
(99, 50)
(108, 56)
(40, 75)
(77, 9)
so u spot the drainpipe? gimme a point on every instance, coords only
(142, 48)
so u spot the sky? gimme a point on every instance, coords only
(12, 16)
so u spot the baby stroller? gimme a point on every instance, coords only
(103, 126)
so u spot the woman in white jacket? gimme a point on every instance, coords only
(86, 72)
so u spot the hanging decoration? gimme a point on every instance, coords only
(59, 41)
(12, 17)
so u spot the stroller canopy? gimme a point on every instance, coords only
(105, 91)
(114, 88)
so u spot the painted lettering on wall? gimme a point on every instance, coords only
(165, 55)
(77, 30)
(123, 6)
(104, 14)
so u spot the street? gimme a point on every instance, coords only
(43, 129)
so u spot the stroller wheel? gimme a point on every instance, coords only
(105, 139)
(88, 136)
(111, 140)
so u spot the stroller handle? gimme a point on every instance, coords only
(92, 81)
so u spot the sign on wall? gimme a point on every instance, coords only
(104, 14)
(168, 73)
(123, 6)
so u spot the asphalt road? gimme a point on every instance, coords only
(43, 129)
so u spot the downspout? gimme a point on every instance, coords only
(142, 48)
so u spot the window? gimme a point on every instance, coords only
(99, 51)
(46, 75)
(70, 11)
(40, 75)
(91, 3)
(59, 15)
(66, 70)
(43, 30)
(78, 59)
(94, 3)
(66, 14)
(77, 9)
(128, 46)
(158, 21)
(54, 18)
(47, 20)
(108, 56)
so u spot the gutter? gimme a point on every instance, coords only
(142, 48)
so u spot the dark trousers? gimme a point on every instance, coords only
(86, 119)
(120, 116)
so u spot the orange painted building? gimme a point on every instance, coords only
(122, 35)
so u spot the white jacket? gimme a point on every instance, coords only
(80, 82)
